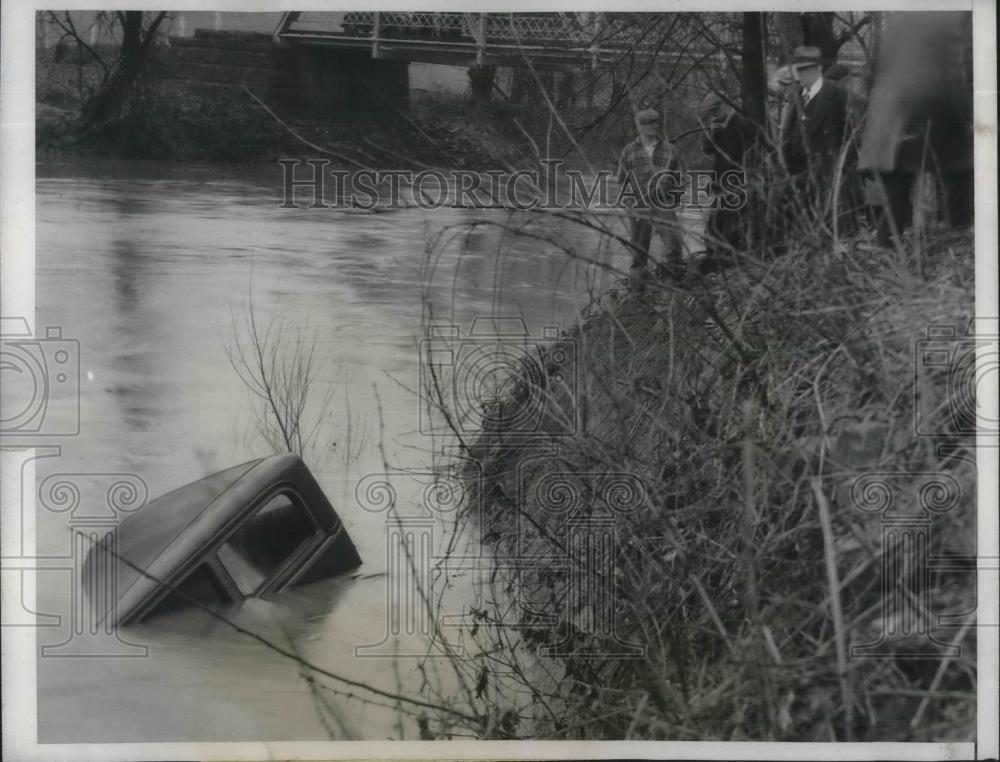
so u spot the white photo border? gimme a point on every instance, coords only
(17, 298)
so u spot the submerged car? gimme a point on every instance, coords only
(251, 530)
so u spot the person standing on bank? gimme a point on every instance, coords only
(727, 137)
(649, 154)
(920, 119)
(852, 193)
(816, 132)
(857, 104)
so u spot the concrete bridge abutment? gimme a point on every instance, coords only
(310, 81)
(339, 84)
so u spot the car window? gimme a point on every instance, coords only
(250, 530)
(264, 542)
(148, 532)
(201, 586)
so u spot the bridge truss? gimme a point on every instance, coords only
(548, 39)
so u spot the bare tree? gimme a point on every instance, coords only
(754, 71)
(107, 104)
(280, 368)
(825, 30)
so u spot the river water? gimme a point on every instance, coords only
(152, 268)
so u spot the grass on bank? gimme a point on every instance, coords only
(182, 120)
(739, 437)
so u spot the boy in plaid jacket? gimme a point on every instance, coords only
(647, 156)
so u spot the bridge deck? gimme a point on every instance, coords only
(465, 39)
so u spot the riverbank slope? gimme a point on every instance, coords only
(182, 120)
(744, 480)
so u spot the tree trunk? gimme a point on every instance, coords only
(876, 52)
(754, 72)
(755, 110)
(789, 27)
(108, 102)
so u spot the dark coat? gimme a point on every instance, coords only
(816, 131)
(920, 116)
(857, 111)
(726, 141)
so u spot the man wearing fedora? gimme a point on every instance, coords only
(650, 153)
(816, 130)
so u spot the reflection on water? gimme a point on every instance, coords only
(152, 267)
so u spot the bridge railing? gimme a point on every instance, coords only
(584, 33)
(498, 27)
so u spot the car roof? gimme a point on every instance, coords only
(160, 544)
(146, 534)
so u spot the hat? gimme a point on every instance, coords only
(837, 72)
(647, 115)
(806, 56)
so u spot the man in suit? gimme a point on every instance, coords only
(815, 135)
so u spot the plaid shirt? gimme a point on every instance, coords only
(635, 161)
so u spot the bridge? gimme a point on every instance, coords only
(468, 39)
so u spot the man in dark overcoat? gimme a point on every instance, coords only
(816, 132)
(728, 136)
(920, 117)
